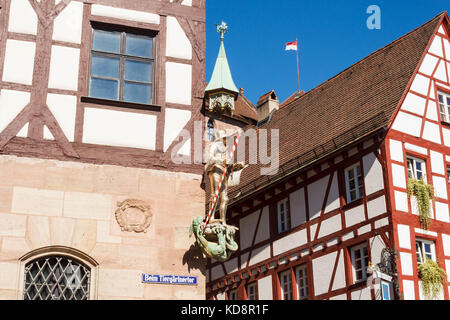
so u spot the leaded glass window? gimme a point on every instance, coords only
(56, 278)
(122, 67)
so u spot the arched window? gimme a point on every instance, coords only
(211, 130)
(58, 273)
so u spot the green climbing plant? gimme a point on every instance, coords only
(433, 278)
(423, 193)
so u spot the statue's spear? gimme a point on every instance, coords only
(216, 196)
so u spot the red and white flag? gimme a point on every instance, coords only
(291, 46)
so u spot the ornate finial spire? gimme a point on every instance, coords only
(222, 29)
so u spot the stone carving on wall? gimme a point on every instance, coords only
(134, 215)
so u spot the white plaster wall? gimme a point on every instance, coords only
(64, 65)
(247, 226)
(373, 174)
(431, 132)
(22, 18)
(404, 236)
(415, 104)
(339, 279)
(19, 61)
(376, 247)
(125, 14)
(363, 294)
(396, 150)
(176, 120)
(415, 148)
(446, 134)
(265, 288)
(447, 269)
(420, 85)
(376, 207)
(398, 176)
(68, 24)
(428, 65)
(329, 226)
(122, 129)
(290, 242)
(316, 196)
(263, 232)
(441, 73)
(339, 297)
(11, 103)
(436, 47)
(406, 263)
(178, 44)
(440, 187)
(298, 208)
(437, 162)
(323, 270)
(231, 265)
(446, 244)
(333, 200)
(354, 216)
(178, 83)
(442, 213)
(408, 124)
(63, 108)
(408, 290)
(432, 109)
(401, 201)
(260, 254)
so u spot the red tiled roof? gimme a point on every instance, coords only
(364, 96)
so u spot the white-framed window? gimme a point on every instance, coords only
(252, 291)
(416, 168)
(284, 221)
(301, 276)
(425, 249)
(286, 285)
(444, 106)
(360, 261)
(353, 183)
(233, 295)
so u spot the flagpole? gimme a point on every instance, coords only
(298, 67)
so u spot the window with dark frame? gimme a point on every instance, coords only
(353, 183)
(284, 221)
(301, 275)
(122, 66)
(286, 285)
(252, 293)
(233, 295)
(360, 262)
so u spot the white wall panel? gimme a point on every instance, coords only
(406, 263)
(354, 216)
(333, 200)
(431, 132)
(408, 290)
(437, 162)
(64, 66)
(376, 207)
(178, 83)
(122, 129)
(22, 18)
(398, 176)
(339, 280)
(248, 224)
(64, 109)
(441, 73)
(19, 61)
(330, 225)
(11, 103)
(428, 65)
(263, 232)
(446, 134)
(420, 85)
(408, 124)
(265, 288)
(432, 110)
(178, 44)
(373, 174)
(290, 242)
(125, 14)
(316, 196)
(401, 201)
(298, 207)
(446, 244)
(396, 150)
(442, 213)
(68, 24)
(440, 187)
(436, 47)
(260, 254)
(415, 148)
(323, 270)
(175, 121)
(415, 104)
(404, 236)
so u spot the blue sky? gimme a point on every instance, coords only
(332, 35)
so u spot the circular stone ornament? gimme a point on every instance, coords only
(134, 215)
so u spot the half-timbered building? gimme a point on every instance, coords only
(336, 220)
(93, 97)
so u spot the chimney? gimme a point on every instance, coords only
(266, 104)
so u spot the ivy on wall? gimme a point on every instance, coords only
(423, 193)
(433, 278)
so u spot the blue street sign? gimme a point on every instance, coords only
(169, 279)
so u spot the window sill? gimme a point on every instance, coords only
(121, 104)
(445, 123)
(359, 284)
(353, 204)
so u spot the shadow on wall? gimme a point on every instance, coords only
(194, 259)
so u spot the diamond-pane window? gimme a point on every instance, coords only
(56, 278)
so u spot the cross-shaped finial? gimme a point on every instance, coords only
(222, 29)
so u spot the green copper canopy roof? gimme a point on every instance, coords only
(221, 78)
